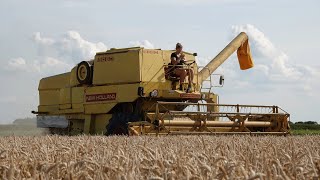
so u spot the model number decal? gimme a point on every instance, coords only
(101, 97)
(105, 59)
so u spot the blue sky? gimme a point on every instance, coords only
(41, 38)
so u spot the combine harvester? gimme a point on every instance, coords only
(130, 92)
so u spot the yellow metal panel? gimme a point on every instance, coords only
(55, 82)
(88, 124)
(101, 121)
(175, 94)
(120, 67)
(152, 66)
(49, 97)
(52, 108)
(148, 87)
(167, 56)
(77, 95)
(70, 111)
(73, 77)
(75, 116)
(77, 106)
(65, 106)
(98, 108)
(116, 50)
(65, 96)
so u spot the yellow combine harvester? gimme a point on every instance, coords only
(128, 91)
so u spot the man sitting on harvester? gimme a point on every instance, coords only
(177, 60)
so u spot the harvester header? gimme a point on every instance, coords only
(134, 91)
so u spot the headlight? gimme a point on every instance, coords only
(154, 93)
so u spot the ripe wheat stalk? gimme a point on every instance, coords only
(170, 157)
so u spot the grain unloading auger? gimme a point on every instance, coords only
(130, 91)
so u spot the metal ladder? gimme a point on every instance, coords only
(210, 80)
(207, 80)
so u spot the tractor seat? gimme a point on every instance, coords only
(169, 74)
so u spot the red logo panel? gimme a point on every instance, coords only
(190, 95)
(101, 97)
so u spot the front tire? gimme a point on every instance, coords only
(118, 125)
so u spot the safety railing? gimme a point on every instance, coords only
(206, 85)
(187, 66)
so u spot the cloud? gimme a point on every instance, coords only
(70, 46)
(201, 2)
(145, 43)
(17, 64)
(271, 61)
(273, 68)
(56, 55)
(41, 40)
(47, 65)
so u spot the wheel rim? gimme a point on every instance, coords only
(82, 72)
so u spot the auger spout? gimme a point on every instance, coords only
(239, 43)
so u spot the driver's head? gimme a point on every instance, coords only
(179, 48)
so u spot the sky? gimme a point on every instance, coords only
(40, 38)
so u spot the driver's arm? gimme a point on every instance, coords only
(174, 61)
(182, 58)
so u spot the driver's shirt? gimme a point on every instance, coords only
(176, 56)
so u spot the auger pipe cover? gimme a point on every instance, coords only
(222, 56)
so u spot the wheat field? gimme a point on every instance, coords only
(169, 157)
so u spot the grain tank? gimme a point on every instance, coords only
(130, 91)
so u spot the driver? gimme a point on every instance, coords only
(177, 60)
